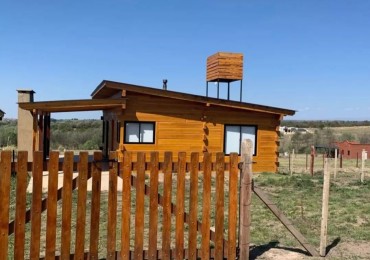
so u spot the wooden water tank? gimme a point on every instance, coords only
(225, 67)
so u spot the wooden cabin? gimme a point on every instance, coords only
(138, 118)
(162, 120)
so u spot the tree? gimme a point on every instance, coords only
(347, 137)
(364, 138)
(301, 142)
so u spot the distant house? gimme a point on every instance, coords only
(138, 118)
(293, 130)
(2, 113)
(350, 150)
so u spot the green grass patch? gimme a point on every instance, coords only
(299, 196)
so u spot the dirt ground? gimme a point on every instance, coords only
(337, 250)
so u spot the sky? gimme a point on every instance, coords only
(312, 56)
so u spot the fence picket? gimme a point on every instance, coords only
(207, 164)
(51, 221)
(81, 206)
(233, 205)
(36, 205)
(219, 221)
(67, 205)
(180, 205)
(167, 190)
(139, 216)
(20, 211)
(112, 207)
(5, 172)
(126, 206)
(193, 207)
(95, 205)
(153, 210)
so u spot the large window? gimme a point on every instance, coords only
(139, 132)
(235, 134)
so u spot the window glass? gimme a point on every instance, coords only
(234, 136)
(146, 132)
(132, 132)
(232, 143)
(139, 132)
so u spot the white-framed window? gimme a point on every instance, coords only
(235, 134)
(139, 132)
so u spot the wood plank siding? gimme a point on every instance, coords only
(182, 125)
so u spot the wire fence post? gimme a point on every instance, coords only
(325, 209)
(335, 163)
(312, 159)
(364, 158)
(245, 199)
(292, 162)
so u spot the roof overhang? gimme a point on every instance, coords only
(74, 105)
(107, 89)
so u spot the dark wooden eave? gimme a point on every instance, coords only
(2, 113)
(107, 89)
(74, 105)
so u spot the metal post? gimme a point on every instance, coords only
(218, 88)
(241, 90)
(228, 90)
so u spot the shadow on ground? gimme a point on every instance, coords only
(257, 251)
(332, 245)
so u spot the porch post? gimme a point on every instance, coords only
(40, 132)
(34, 133)
(46, 135)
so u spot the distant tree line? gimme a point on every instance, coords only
(8, 133)
(65, 134)
(76, 134)
(325, 137)
(323, 123)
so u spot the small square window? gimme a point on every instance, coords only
(139, 133)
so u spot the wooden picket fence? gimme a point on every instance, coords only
(155, 209)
